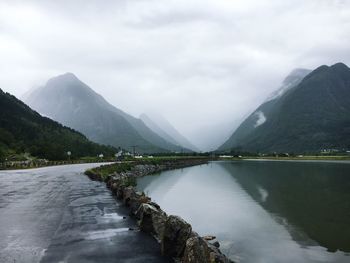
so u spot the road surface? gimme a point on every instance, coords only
(57, 214)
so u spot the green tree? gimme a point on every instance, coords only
(2, 154)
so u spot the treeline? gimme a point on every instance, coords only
(24, 130)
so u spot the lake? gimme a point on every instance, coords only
(263, 211)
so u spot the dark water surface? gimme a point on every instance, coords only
(57, 214)
(263, 211)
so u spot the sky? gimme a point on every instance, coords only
(203, 64)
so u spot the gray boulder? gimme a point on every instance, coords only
(152, 220)
(176, 233)
(196, 251)
(199, 250)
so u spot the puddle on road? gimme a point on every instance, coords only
(110, 217)
(108, 233)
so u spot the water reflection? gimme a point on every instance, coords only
(263, 211)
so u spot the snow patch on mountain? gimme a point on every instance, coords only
(261, 118)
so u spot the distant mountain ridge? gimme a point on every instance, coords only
(164, 129)
(24, 130)
(312, 114)
(70, 101)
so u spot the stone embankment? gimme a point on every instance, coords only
(176, 237)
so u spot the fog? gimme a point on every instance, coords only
(203, 64)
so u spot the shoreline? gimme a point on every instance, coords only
(176, 237)
(305, 157)
(23, 165)
(344, 161)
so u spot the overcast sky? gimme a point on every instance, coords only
(204, 64)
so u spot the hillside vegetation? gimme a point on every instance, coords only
(24, 130)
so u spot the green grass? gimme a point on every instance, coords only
(130, 181)
(105, 171)
(310, 157)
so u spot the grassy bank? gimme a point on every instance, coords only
(310, 158)
(105, 171)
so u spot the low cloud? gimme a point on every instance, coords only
(200, 63)
(260, 118)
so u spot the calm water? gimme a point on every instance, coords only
(263, 211)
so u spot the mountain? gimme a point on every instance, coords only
(68, 100)
(24, 130)
(165, 130)
(312, 114)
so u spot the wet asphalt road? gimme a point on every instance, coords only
(57, 214)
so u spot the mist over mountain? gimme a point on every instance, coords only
(310, 112)
(210, 137)
(163, 128)
(292, 80)
(24, 130)
(71, 102)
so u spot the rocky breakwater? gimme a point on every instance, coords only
(176, 237)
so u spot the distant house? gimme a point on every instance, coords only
(284, 155)
(226, 156)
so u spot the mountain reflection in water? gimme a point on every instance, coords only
(263, 211)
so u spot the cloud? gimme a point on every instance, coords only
(199, 63)
(260, 118)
